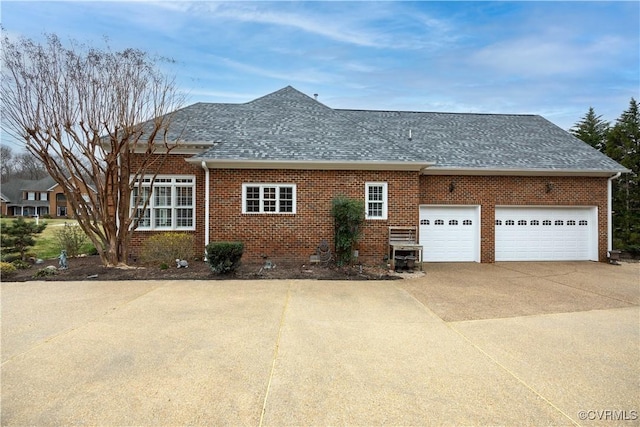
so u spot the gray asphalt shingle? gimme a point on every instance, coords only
(288, 125)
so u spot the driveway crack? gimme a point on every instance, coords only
(275, 354)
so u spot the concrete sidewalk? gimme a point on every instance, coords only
(320, 352)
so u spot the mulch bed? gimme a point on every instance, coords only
(90, 268)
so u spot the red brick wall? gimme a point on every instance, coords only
(287, 237)
(489, 191)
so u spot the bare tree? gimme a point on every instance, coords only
(96, 115)
(29, 166)
(7, 166)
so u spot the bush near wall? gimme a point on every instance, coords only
(165, 248)
(224, 257)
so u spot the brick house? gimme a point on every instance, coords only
(25, 197)
(477, 187)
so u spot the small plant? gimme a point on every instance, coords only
(7, 269)
(165, 248)
(71, 238)
(45, 272)
(164, 266)
(224, 257)
(20, 264)
(348, 216)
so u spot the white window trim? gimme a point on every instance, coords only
(385, 201)
(262, 186)
(146, 182)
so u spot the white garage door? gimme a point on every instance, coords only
(546, 234)
(450, 233)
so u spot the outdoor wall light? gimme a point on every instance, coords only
(549, 187)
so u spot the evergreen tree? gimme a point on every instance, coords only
(19, 236)
(623, 145)
(592, 130)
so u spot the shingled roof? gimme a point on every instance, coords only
(290, 128)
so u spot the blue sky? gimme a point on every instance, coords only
(555, 59)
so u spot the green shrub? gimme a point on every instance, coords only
(20, 264)
(18, 236)
(45, 272)
(224, 257)
(10, 257)
(165, 248)
(71, 238)
(7, 269)
(348, 216)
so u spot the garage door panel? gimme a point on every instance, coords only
(449, 233)
(545, 234)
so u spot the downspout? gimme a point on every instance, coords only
(609, 212)
(206, 207)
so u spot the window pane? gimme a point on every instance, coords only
(162, 196)
(184, 196)
(253, 199)
(144, 216)
(163, 217)
(375, 209)
(286, 199)
(139, 195)
(375, 193)
(269, 194)
(184, 217)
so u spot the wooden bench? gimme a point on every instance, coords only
(404, 239)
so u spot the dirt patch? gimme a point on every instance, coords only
(90, 268)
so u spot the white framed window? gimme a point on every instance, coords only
(258, 198)
(43, 197)
(170, 203)
(376, 200)
(31, 195)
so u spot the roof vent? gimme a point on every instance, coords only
(410, 134)
(315, 96)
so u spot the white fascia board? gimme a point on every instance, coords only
(520, 172)
(310, 165)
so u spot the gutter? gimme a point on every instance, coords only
(310, 164)
(518, 172)
(609, 212)
(206, 207)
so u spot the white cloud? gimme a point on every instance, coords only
(304, 75)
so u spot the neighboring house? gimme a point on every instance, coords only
(24, 197)
(477, 187)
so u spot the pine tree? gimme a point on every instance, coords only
(19, 236)
(592, 130)
(623, 145)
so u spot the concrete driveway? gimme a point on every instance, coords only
(467, 344)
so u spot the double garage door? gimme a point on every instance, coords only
(452, 233)
(546, 234)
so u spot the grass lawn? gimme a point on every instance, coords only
(47, 245)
